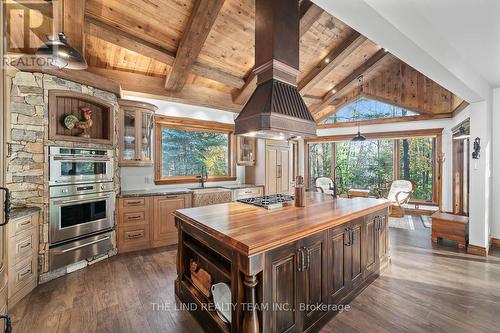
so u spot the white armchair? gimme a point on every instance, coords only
(399, 195)
(323, 185)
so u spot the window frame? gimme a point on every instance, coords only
(189, 124)
(396, 136)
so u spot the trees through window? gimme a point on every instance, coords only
(374, 164)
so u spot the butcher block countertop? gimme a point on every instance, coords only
(252, 230)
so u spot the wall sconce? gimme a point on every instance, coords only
(477, 148)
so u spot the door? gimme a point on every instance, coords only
(313, 280)
(461, 176)
(271, 170)
(370, 241)
(284, 168)
(355, 272)
(338, 263)
(3, 255)
(128, 135)
(382, 239)
(281, 280)
(164, 230)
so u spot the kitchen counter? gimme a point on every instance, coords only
(23, 211)
(252, 230)
(173, 191)
(320, 255)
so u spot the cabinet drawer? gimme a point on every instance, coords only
(247, 193)
(22, 224)
(133, 238)
(21, 246)
(134, 218)
(134, 202)
(21, 274)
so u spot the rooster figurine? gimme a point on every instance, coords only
(86, 123)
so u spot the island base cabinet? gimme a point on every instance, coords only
(297, 287)
(295, 284)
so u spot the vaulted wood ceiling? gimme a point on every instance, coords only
(202, 52)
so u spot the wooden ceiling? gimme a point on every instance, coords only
(202, 52)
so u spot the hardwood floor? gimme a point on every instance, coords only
(426, 288)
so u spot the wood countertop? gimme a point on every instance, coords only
(252, 230)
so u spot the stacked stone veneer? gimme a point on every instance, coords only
(27, 163)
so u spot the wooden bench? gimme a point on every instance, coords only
(450, 226)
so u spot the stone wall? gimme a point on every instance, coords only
(27, 173)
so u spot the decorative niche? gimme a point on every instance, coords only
(63, 103)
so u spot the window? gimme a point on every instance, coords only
(364, 165)
(320, 161)
(373, 164)
(416, 163)
(367, 109)
(185, 149)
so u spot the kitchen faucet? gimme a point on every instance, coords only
(203, 176)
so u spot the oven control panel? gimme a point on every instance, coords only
(78, 189)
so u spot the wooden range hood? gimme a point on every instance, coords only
(276, 109)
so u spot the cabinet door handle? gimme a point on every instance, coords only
(25, 223)
(308, 257)
(352, 236)
(135, 217)
(138, 202)
(348, 231)
(25, 245)
(28, 271)
(299, 260)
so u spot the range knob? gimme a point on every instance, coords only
(103, 187)
(64, 190)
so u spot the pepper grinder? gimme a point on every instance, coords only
(300, 192)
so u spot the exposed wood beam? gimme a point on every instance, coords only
(154, 87)
(351, 79)
(45, 8)
(113, 35)
(73, 23)
(199, 25)
(309, 13)
(460, 108)
(130, 42)
(331, 61)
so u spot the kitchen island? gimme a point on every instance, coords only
(288, 268)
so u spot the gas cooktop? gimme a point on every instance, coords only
(269, 201)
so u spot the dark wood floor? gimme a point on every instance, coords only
(426, 289)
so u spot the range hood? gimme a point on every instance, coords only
(276, 109)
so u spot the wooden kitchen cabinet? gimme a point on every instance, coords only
(164, 230)
(245, 150)
(147, 222)
(136, 133)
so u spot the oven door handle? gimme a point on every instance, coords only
(62, 202)
(82, 158)
(83, 245)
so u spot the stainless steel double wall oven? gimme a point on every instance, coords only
(82, 204)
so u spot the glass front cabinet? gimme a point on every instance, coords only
(136, 133)
(245, 150)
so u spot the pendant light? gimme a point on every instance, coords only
(59, 53)
(359, 137)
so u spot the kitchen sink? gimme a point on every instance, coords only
(211, 196)
(208, 189)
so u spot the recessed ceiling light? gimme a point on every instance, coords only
(327, 60)
(385, 50)
(334, 91)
